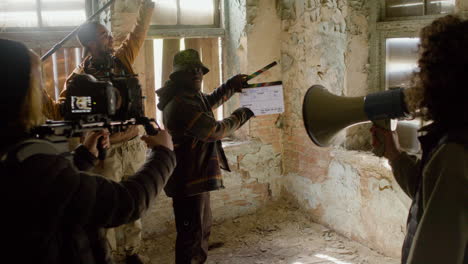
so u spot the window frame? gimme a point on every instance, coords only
(191, 31)
(383, 15)
(394, 27)
(90, 7)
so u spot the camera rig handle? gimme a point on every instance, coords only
(149, 128)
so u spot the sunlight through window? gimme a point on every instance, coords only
(18, 13)
(401, 61)
(198, 12)
(158, 50)
(165, 12)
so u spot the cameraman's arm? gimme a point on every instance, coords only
(128, 50)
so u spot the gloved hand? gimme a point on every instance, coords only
(237, 82)
(244, 112)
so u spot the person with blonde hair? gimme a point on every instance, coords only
(54, 212)
(437, 227)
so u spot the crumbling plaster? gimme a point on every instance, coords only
(327, 43)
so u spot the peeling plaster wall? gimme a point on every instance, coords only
(358, 197)
(326, 42)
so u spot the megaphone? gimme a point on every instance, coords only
(326, 114)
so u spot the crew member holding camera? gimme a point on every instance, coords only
(127, 153)
(53, 211)
(188, 116)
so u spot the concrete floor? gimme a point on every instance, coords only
(279, 233)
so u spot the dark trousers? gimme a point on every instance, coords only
(193, 224)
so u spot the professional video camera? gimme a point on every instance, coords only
(92, 104)
(91, 100)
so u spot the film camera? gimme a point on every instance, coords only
(93, 104)
(91, 100)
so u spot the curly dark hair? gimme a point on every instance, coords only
(443, 77)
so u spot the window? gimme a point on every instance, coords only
(401, 61)
(396, 36)
(41, 13)
(405, 8)
(186, 13)
(394, 45)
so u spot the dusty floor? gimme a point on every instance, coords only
(279, 233)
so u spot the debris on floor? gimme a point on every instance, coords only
(277, 234)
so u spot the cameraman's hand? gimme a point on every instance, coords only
(390, 142)
(91, 140)
(163, 138)
(237, 82)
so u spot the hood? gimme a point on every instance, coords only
(166, 93)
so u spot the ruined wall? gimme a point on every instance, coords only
(326, 42)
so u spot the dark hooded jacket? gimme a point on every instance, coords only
(189, 118)
(437, 184)
(54, 212)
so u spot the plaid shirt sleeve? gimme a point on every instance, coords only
(202, 125)
(220, 95)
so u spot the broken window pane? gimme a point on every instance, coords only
(63, 12)
(200, 12)
(18, 13)
(401, 61)
(403, 8)
(165, 12)
(440, 6)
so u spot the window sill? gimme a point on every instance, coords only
(185, 32)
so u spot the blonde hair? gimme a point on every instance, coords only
(31, 114)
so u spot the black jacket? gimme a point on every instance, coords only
(52, 212)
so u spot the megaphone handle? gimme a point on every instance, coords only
(380, 149)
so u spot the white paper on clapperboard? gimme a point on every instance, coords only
(263, 100)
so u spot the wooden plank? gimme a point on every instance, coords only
(192, 43)
(70, 59)
(150, 102)
(170, 48)
(48, 76)
(210, 57)
(61, 73)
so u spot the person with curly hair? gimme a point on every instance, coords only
(437, 227)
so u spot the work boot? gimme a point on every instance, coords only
(133, 259)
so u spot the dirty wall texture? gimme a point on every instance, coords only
(326, 42)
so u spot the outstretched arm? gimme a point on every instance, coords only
(128, 50)
(199, 124)
(221, 94)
